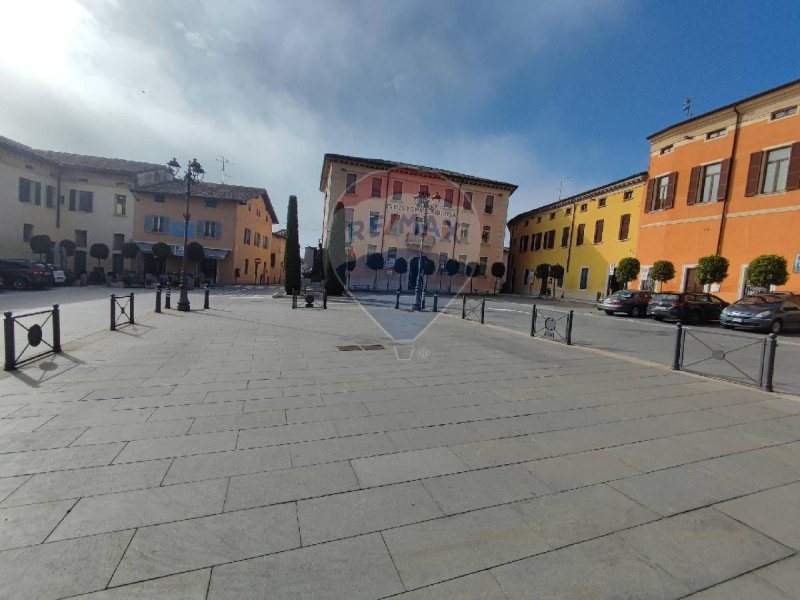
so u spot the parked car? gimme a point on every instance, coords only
(631, 302)
(688, 307)
(58, 273)
(769, 312)
(20, 274)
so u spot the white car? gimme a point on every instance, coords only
(58, 274)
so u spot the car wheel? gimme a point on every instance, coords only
(609, 312)
(20, 283)
(695, 318)
(727, 326)
(636, 312)
(776, 327)
(658, 318)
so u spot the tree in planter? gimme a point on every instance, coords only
(542, 271)
(99, 251)
(401, 268)
(767, 270)
(336, 254)
(41, 244)
(661, 271)
(375, 263)
(451, 267)
(350, 265)
(161, 252)
(557, 273)
(69, 247)
(712, 269)
(195, 253)
(291, 261)
(130, 251)
(428, 269)
(472, 271)
(627, 271)
(498, 270)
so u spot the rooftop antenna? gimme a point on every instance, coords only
(561, 187)
(687, 107)
(225, 162)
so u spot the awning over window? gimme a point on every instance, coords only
(215, 253)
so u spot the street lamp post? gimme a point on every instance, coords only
(194, 173)
(426, 203)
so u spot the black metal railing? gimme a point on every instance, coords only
(122, 311)
(739, 358)
(309, 300)
(472, 310)
(34, 336)
(552, 324)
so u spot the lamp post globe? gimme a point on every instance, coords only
(424, 202)
(194, 174)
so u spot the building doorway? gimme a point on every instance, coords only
(80, 262)
(117, 264)
(690, 281)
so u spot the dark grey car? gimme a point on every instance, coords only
(769, 312)
(631, 302)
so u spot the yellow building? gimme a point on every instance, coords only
(587, 234)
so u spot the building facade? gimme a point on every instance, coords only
(726, 182)
(82, 199)
(586, 234)
(233, 224)
(466, 224)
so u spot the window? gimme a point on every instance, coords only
(377, 185)
(27, 232)
(568, 211)
(119, 240)
(538, 220)
(442, 261)
(349, 215)
(272, 260)
(246, 265)
(447, 229)
(483, 263)
(159, 198)
(712, 135)
(213, 204)
(159, 224)
(25, 187)
(710, 184)
(257, 239)
(448, 197)
(350, 185)
(784, 112)
(417, 225)
(579, 236)
(37, 194)
(584, 282)
(371, 249)
(81, 240)
(601, 203)
(50, 196)
(209, 229)
(627, 195)
(266, 241)
(489, 206)
(119, 205)
(464, 232)
(584, 207)
(394, 224)
(598, 231)
(374, 222)
(248, 235)
(423, 189)
(81, 200)
(565, 237)
(550, 239)
(776, 170)
(662, 187)
(486, 234)
(552, 216)
(624, 227)
(467, 201)
(397, 190)
(666, 149)
(537, 242)
(391, 256)
(462, 263)
(523, 243)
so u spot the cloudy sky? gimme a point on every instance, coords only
(545, 94)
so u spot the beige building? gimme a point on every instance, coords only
(233, 223)
(83, 199)
(467, 222)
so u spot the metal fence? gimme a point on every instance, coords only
(551, 324)
(473, 310)
(309, 298)
(122, 308)
(34, 336)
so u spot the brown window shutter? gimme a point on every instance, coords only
(648, 204)
(694, 184)
(753, 173)
(724, 171)
(669, 201)
(793, 176)
(624, 227)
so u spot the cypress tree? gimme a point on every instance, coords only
(291, 263)
(335, 254)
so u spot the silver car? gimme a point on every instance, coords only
(769, 312)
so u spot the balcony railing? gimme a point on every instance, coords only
(413, 240)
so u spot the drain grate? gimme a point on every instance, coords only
(355, 347)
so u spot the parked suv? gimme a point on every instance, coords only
(689, 307)
(631, 302)
(773, 312)
(25, 273)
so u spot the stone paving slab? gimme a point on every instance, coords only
(244, 456)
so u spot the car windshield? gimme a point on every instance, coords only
(666, 297)
(760, 299)
(622, 294)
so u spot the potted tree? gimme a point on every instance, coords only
(542, 271)
(375, 263)
(401, 268)
(498, 270)
(472, 271)
(100, 252)
(767, 270)
(661, 271)
(41, 245)
(627, 271)
(712, 269)
(161, 252)
(557, 273)
(451, 267)
(195, 253)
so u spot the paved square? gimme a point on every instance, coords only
(236, 453)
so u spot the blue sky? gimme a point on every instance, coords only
(535, 93)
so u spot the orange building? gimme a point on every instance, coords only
(233, 224)
(725, 182)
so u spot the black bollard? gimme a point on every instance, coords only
(294, 299)
(676, 361)
(397, 299)
(769, 359)
(130, 311)
(463, 307)
(569, 328)
(533, 321)
(158, 299)
(167, 298)
(483, 311)
(325, 299)
(56, 328)
(205, 299)
(435, 302)
(113, 320)
(11, 353)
